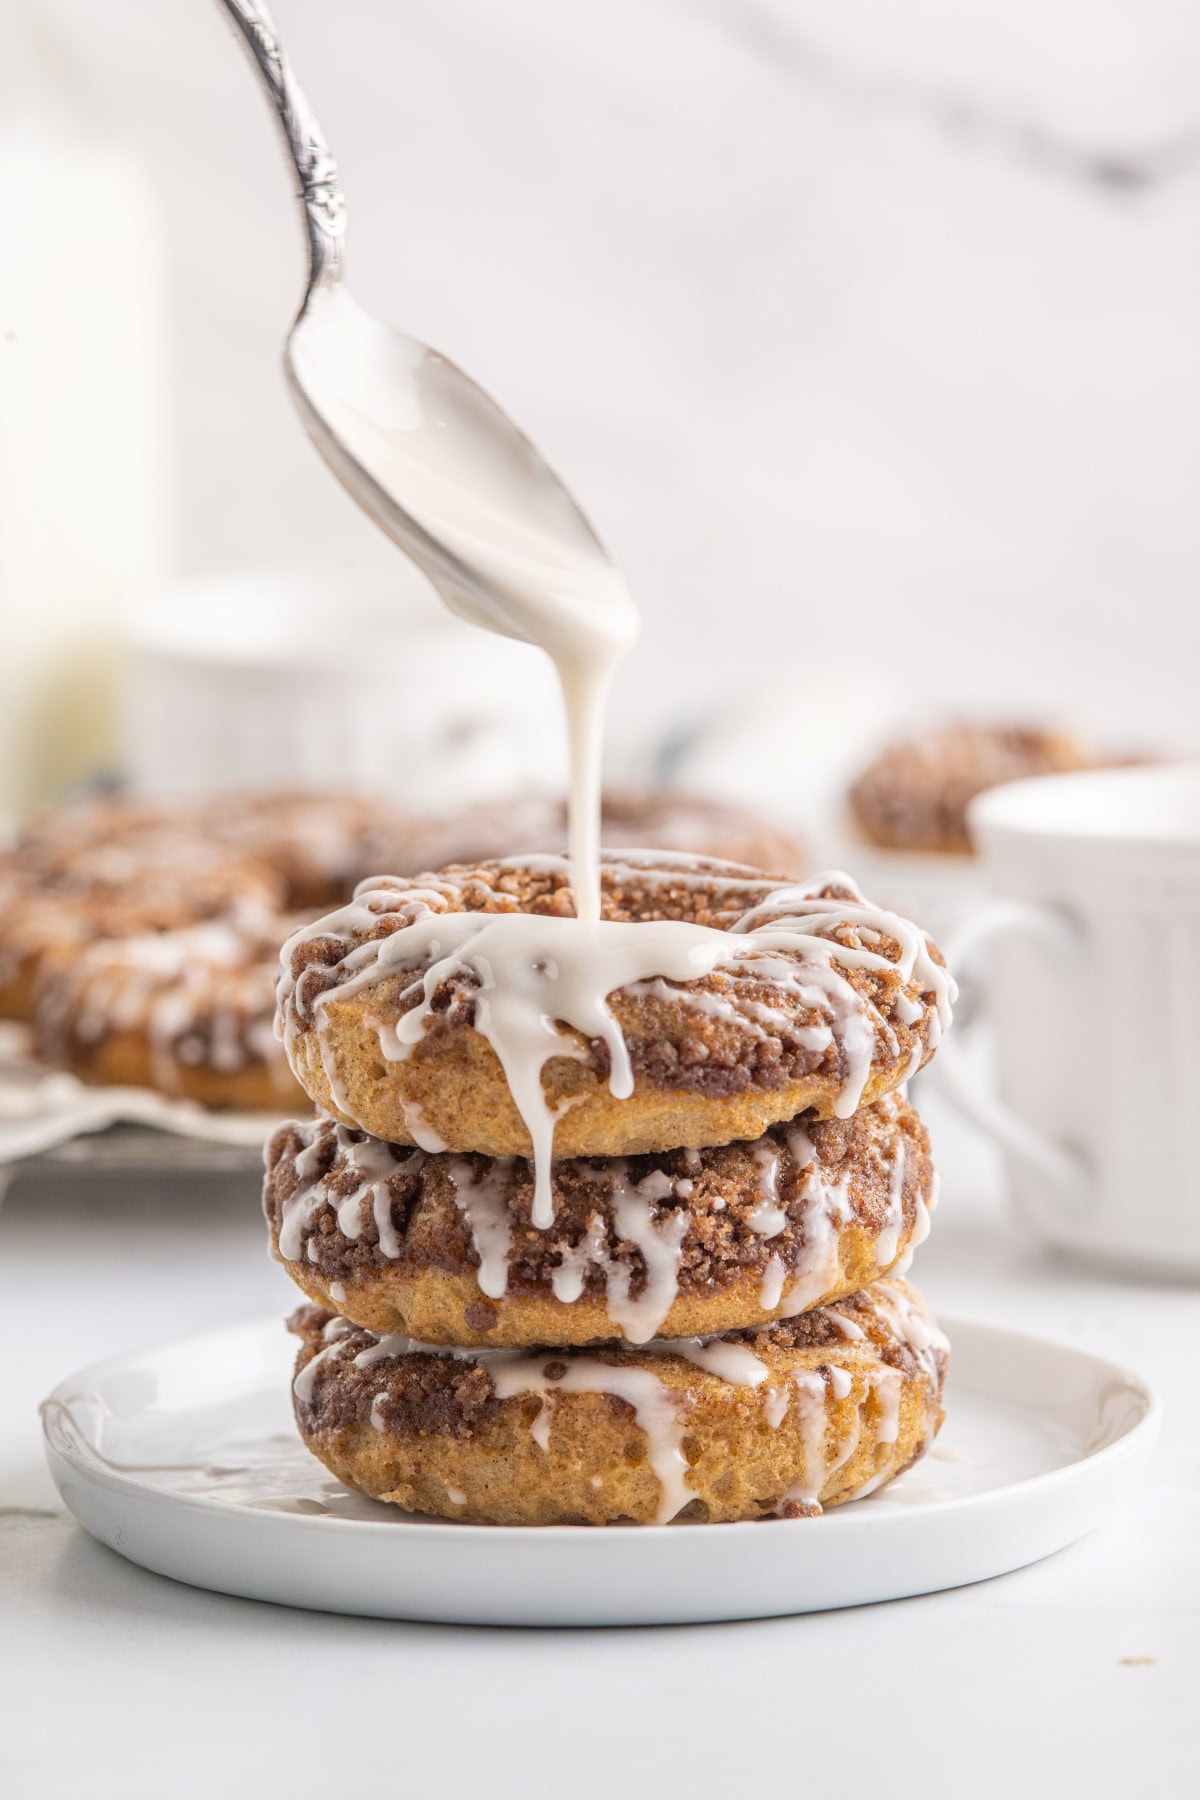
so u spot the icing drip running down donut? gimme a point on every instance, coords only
(855, 995)
(684, 1242)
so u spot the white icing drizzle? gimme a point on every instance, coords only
(381, 1208)
(768, 1218)
(329, 1063)
(884, 1387)
(373, 1164)
(422, 1134)
(888, 1386)
(775, 1407)
(810, 1392)
(504, 544)
(480, 1195)
(307, 1162)
(826, 1207)
(568, 1278)
(908, 1010)
(734, 1363)
(655, 1410)
(656, 1407)
(852, 1441)
(530, 971)
(908, 1318)
(332, 1336)
(539, 1430)
(909, 1322)
(887, 1244)
(349, 1216)
(656, 1235)
(774, 1276)
(921, 1224)
(660, 1242)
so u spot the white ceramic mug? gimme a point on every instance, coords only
(1092, 991)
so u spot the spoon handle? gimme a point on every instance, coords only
(320, 185)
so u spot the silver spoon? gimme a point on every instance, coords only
(419, 445)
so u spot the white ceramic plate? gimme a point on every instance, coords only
(184, 1459)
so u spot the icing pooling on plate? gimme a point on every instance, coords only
(659, 1406)
(534, 974)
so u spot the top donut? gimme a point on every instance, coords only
(451, 1010)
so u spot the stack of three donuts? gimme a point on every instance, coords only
(712, 1325)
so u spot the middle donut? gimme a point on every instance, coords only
(680, 1242)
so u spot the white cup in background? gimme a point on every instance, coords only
(267, 679)
(1092, 992)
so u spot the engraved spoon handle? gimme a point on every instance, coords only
(320, 185)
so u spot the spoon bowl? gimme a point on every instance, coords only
(427, 454)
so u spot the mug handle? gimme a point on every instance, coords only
(1061, 1166)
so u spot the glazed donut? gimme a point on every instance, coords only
(53, 839)
(319, 843)
(51, 908)
(915, 795)
(683, 1242)
(787, 1420)
(814, 1001)
(187, 1012)
(662, 816)
(316, 843)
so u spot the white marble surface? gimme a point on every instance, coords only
(869, 323)
(1075, 1676)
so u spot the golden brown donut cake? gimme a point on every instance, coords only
(681, 1242)
(820, 1003)
(786, 1420)
(665, 817)
(915, 795)
(52, 908)
(187, 1012)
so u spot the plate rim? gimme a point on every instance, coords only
(1138, 1435)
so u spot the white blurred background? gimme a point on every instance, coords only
(866, 331)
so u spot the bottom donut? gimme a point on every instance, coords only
(781, 1421)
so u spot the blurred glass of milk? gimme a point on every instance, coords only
(84, 500)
